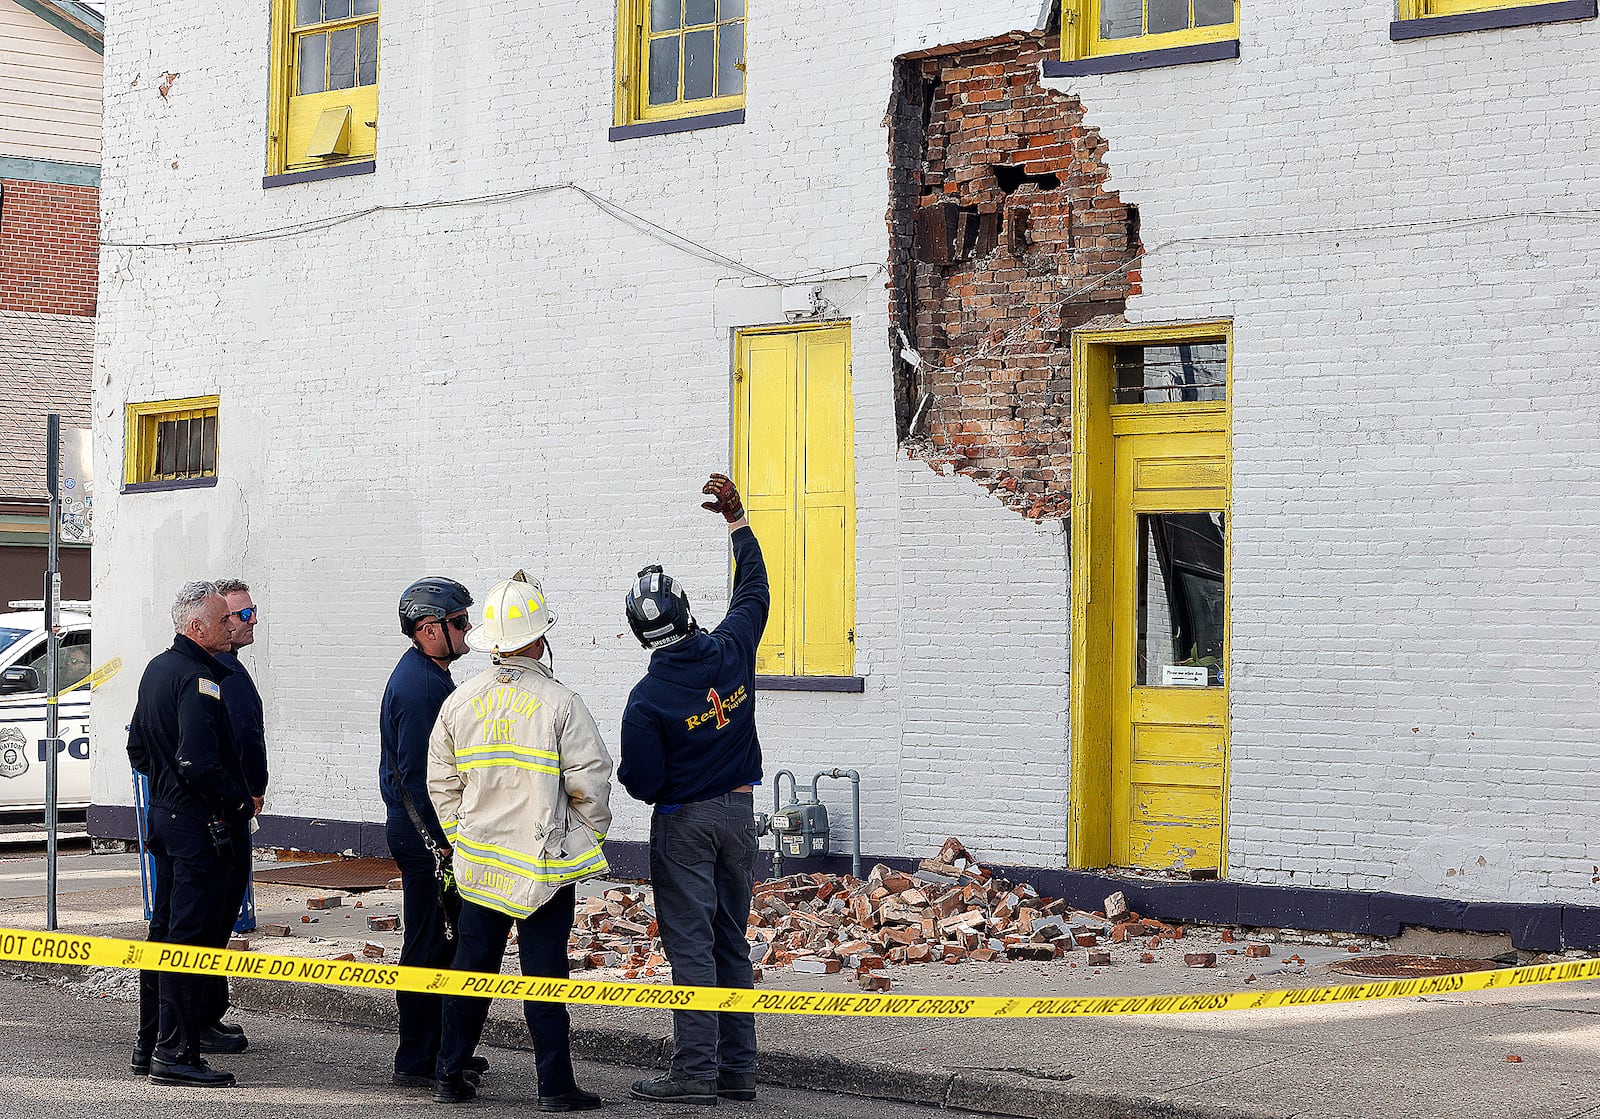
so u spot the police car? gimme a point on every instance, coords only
(23, 744)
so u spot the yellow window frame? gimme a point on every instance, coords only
(811, 627)
(1080, 34)
(143, 422)
(632, 94)
(293, 119)
(1425, 9)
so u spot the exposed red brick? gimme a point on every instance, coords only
(49, 247)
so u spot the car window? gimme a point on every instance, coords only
(9, 637)
(72, 661)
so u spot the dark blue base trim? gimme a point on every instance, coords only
(340, 171)
(681, 124)
(159, 487)
(1402, 29)
(811, 684)
(1534, 928)
(20, 169)
(1142, 60)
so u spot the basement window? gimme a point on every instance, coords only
(171, 444)
(1187, 372)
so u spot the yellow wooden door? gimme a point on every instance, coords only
(794, 462)
(1169, 687)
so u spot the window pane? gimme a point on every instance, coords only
(1121, 19)
(1213, 13)
(307, 12)
(730, 54)
(664, 70)
(1168, 15)
(313, 65)
(195, 452)
(367, 65)
(1181, 596)
(1188, 372)
(166, 449)
(697, 13)
(732, 9)
(699, 64)
(664, 14)
(208, 446)
(335, 9)
(366, 7)
(342, 58)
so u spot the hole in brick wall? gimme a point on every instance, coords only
(1133, 230)
(1010, 177)
(1018, 236)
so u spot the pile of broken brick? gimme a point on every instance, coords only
(949, 910)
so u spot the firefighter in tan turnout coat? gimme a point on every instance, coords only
(522, 785)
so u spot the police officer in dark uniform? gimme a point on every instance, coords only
(433, 614)
(200, 810)
(689, 747)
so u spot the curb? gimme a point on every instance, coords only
(977, 1090)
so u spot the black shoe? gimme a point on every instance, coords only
(575, 1100)
(213, 1040)
(477, 1064)
(195, 1074)
(736, 1085)
(671, 1089)
(229, 1028)
(140, 1064)
(454, 1089)
(423, 1080)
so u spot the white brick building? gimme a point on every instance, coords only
(1401, 236)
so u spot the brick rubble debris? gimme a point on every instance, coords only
(949, 910)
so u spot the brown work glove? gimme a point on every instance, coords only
(724, 497)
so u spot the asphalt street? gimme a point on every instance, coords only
(66, 1055)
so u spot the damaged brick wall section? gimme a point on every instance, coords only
(1003, 240)
(49, 247)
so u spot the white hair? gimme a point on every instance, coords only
(186, 604)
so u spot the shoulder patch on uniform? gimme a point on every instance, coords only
(210, 688)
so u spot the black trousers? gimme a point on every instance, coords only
(212, 990)
(542, 943)
(423, 945)
(194, 904)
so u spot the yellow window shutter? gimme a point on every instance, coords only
(765, 468)
(826, 507)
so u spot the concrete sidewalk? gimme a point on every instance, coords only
(1420, 1057)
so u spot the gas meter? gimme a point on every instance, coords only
(801, 829)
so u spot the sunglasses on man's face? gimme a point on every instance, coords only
(459, 624)
(248, 614)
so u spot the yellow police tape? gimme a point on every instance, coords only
(65, 948)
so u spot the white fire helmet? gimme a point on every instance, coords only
(515, 615)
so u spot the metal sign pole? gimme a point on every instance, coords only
(52, 596)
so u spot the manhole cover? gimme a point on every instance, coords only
(1409, 967)
(338, 874)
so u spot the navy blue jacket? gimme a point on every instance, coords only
(247, 720)
(689, 730)
(417, 689)
(181, 739)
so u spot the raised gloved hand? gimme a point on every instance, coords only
(724, 498)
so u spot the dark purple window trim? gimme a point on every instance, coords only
(681, 124)
(1561, 12)
(178, 484)
(343, 170)
(856, 684)
(1142, 60)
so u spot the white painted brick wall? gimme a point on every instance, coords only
(1416, 475)
(532, 383)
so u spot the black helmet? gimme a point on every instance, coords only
(432, 596)
(658, 609)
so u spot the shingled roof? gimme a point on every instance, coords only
(45, 362)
